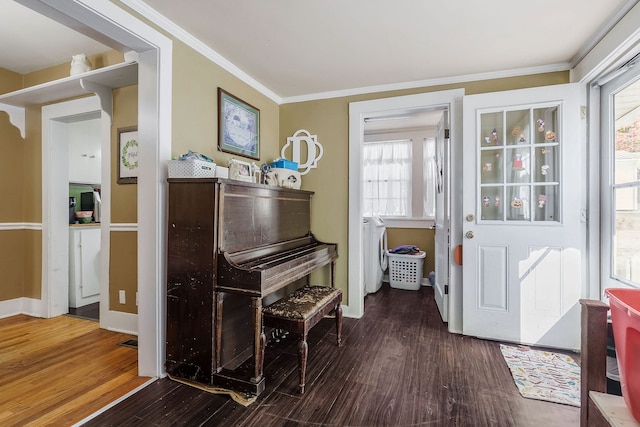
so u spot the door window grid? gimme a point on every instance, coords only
(512, 144)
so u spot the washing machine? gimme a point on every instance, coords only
(375, 253)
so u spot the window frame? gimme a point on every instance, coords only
(609, 90)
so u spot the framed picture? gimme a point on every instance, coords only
(128, 155)
(238, 126)
(240, 171)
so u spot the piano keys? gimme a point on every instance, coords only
(232, 244)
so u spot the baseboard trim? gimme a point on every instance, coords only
(28, 306)
(117, 321)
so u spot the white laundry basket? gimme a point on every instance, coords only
(405, 271)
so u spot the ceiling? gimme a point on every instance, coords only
(299, 48)
(37, 42)
(303, 50)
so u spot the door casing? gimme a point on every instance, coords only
(358, 111)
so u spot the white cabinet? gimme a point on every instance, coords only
(84, 144)
(84, 265)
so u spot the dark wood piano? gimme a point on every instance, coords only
(232, 247)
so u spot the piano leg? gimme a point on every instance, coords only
(333, 274)
(259, 339)
(218, 331)
(303, 350)
(339, 323)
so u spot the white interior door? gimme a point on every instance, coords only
(524, 198)
(442, 250)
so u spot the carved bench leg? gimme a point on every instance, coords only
(339, 323)
(303, 349)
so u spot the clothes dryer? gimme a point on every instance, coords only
(375, 254)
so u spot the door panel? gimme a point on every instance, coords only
(492, 284)
(523, 201)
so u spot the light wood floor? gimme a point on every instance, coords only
(59, 371)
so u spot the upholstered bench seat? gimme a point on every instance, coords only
(302, 310)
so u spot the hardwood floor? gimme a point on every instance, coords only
(56, 372)
(398, 366)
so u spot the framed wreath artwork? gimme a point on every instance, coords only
(238, 125)
(128, 155)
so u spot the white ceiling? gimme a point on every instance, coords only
(298, 48)
(302, 47)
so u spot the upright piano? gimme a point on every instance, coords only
(232, 247)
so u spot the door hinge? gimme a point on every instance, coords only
(583, 111)
(446, 289)
(446, 133)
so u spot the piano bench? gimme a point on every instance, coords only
(302, 310)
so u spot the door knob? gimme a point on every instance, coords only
(469, 217)
(469, 234)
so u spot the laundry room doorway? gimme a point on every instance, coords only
(372, 122)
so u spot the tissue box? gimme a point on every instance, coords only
(222, 172)
(284, 164)
(191, 169)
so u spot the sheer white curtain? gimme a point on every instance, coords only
(387, 178)
(430, 177)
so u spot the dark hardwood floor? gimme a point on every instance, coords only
(398, 366)
(89, 311)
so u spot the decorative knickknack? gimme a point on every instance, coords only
(80, 64)
(313, 148)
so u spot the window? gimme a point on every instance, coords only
(399, 178)
(387, 178)
(621, 185)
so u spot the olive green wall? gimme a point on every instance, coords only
(420, 237)
(12, 158)
(123, 270)
(9, 81)
(123, 264)
(195, 107)
(329, 120)
(21, 183)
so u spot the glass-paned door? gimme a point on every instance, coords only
(524, 186)
(519, 160)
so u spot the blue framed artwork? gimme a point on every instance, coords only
(238, 126)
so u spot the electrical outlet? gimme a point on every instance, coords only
(123, 297)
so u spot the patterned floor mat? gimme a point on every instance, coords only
(543, 375)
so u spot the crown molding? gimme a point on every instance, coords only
(563, 66)
(179, 33)
(176, 31)
(602, 32)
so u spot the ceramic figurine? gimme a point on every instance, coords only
(79, 64)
